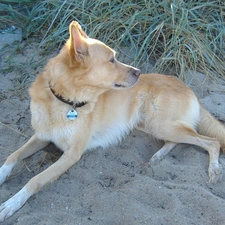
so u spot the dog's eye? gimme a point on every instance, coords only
(112, 60)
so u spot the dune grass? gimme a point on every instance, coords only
(174, 34)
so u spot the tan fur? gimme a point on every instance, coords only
(211, 127)
(118, 100)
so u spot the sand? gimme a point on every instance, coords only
(111, 186)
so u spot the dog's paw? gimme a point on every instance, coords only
(5, 171)
(6, 210)
(3, 177)
(9, 207)
(156, 159)
(215, 173)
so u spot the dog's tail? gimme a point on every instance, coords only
(211, 127)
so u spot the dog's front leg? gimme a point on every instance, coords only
(68, 159)
(32, 146)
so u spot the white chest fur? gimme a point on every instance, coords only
(98, 132)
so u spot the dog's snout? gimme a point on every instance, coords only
(137, 72)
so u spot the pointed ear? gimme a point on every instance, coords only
(78, 44)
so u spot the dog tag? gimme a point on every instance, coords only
(72, 114)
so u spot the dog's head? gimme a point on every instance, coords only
(95, 64)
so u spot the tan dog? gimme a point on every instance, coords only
(85, 98)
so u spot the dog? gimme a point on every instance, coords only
(86, 98)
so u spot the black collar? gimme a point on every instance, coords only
(67, 101)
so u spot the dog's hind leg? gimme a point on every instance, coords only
(68, 159)
(179, 132)
(161, 153)
(32, 146)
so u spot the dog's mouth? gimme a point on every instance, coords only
(129, 81)
(119, 86)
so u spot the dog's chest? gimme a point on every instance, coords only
(97, 129)
(51, 123)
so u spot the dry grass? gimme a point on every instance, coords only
(174, 34)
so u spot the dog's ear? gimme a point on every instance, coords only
(77, 42)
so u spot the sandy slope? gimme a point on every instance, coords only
(111, 186)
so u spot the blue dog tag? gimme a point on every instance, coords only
(72, 114)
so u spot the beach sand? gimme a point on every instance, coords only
(111, 186)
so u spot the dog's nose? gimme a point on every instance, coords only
(137, 72)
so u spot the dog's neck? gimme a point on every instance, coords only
(67, 101)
